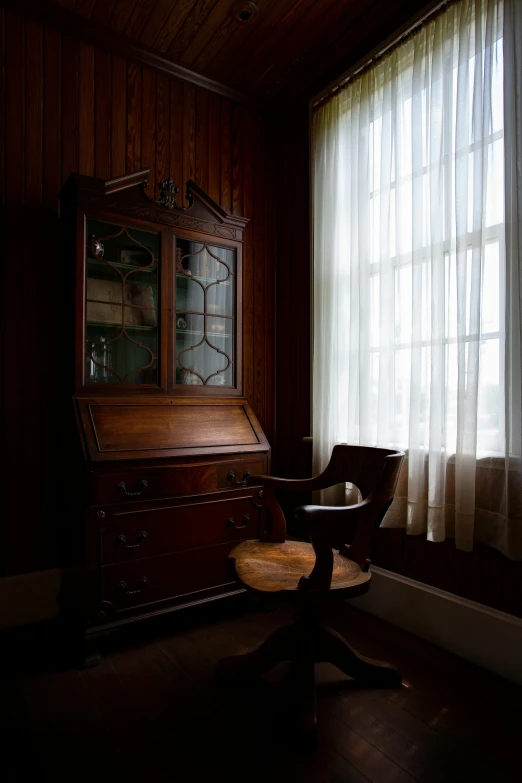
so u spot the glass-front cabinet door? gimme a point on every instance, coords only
(122, 312)
(205, 314)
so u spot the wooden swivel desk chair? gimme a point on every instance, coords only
(310, 573)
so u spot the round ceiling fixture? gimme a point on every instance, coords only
(244, 12)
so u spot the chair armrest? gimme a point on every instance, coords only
(287, 485)
(327, 524)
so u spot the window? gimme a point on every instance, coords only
(413, 322)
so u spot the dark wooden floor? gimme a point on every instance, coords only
(150, 711)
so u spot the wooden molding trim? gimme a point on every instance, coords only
(84, 29)
(477, 633)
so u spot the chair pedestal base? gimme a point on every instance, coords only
(304, 644)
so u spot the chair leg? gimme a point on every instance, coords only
(280, 646)
(333, 648)
(302, 686)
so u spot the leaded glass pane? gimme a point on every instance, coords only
(205, 314)
(122, 307)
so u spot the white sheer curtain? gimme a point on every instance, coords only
(416, 273)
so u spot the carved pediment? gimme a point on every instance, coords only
(126, 195)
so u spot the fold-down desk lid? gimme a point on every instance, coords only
(150, 427)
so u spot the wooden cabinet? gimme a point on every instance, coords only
(168, 440)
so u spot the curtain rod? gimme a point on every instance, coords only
(411, 26)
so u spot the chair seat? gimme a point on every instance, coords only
(274, 568)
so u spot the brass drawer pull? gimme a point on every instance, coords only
(231, 523)
(123, 586)
(141, 538)
(122, 486)
(232, 477)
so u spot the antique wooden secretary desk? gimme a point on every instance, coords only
(168, 440)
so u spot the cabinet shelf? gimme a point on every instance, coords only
(197, 314)
(201, 334)
(180, 276)
(105, 264)
(138, 327)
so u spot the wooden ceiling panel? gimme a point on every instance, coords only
(190, 27)
(157, 18)
(376, 23)
(219, 15)
(101, 13)
(119, 17)
(170, 28)
(84, 7)
(239, 36)
(268, 31)
(288, 48)
(137, 18)
(280, 44)
(312, 37)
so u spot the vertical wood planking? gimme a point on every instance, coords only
(2, 106)
(258, 395)
(3, 442)
(76, 108)
(176, 135)
(118, 116)
(189, 133)
(201, 132)
(33, 111)
(162, 127)
(32, 275)
(148, 128)
(51, 297)
(102, 81)
(214, 146)
(226, 190)
(69, 105)
(248, 253)
(51, 122)
(14, 99)
(133, 117)
(237, 161)
(271, 196)
(86, 113)
(293, 293)
(11, 292)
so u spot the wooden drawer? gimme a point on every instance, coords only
(140, 530)
(153, 579)
(163, 482)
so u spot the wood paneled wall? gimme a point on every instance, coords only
(294, 364)
(67, 106)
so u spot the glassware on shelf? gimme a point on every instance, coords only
(99, 355)
(122, 295)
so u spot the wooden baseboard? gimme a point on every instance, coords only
(477, 633)
(29, 598)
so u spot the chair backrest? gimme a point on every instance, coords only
(375, 472)
(368, 468)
